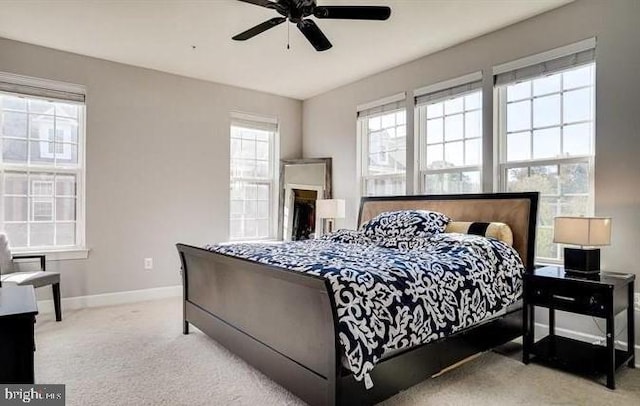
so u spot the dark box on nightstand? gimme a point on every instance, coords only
(582, 260)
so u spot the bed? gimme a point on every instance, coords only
(285, 323)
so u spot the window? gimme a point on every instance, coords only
(42, 169)
(383, 148)
(546, 125)
(253, 158)
(54, 147)
(42, 210)
(450, 137)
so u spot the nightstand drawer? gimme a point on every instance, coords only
(589, 300)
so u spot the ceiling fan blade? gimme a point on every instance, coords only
(261, 3)
(353, 12)
(314, 35)
(260, 28)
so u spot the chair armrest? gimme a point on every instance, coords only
(43, 263)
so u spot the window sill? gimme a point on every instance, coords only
(57, 254)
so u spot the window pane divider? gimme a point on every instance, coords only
(547, 162)
(262, 181)
(385, 176)
(563, 124)
(457, 169)
(9, 167)
(461, 112)
(456, 140)
(558, 92)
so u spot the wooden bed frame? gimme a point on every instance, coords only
(284, 322)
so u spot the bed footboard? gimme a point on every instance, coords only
(279, 321)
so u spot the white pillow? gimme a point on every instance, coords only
(499, 231)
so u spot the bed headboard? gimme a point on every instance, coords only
(518, 210)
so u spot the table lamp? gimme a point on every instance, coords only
(329, 210)
(587, 232)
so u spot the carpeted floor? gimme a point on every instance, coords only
(136, 355)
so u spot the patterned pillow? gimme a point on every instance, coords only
(347, 237)
(406, 223)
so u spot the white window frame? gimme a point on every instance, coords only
(424, 172)
(271, 181)
(503, 166)
(380, 108)
(35, 88)
(364, 155)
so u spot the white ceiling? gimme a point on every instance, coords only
(159, 34)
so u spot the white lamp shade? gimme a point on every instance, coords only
(330, 208)
(589, 231)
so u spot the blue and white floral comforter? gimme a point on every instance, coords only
(394, 293)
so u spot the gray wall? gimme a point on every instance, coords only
(157, 163)
(330, 124)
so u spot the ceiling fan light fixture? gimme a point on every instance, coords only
(295, 12)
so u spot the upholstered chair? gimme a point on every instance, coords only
(11, 275)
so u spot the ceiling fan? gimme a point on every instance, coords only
(297, 10)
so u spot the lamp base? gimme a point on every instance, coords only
(582, 261)
(327, 226)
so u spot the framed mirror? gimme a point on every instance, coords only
(302, 182)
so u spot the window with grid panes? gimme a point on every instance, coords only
(450, 136)
(547, 145)
(42, 170)
(383, 137)
(252, 180)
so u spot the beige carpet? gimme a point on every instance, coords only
(136, 355)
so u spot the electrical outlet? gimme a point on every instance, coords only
(148, 263)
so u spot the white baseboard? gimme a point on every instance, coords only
(110, 299)
(589, 338)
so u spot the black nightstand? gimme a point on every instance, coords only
(18, 312)
(605, 295)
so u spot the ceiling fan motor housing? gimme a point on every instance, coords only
(295, 10)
